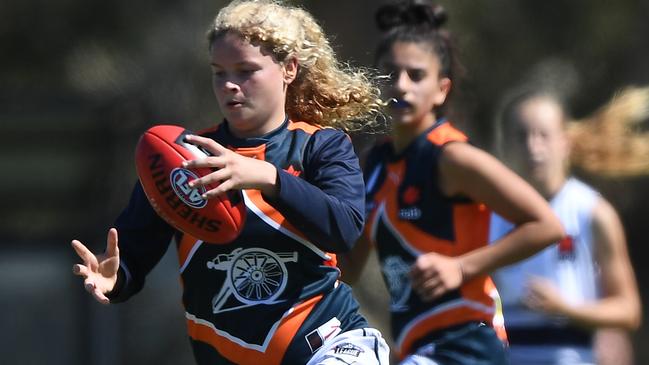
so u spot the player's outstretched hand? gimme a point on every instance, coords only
(98, 271)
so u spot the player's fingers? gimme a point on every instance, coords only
(213, 178)
(80, 270)
(209, 144)
(89, 285)
(213, 162)
(111, 243)
(431, 292)
(100, 297)
(419, 276)
(430, 284)
(224, 187)
(438, 292)
(89, 259)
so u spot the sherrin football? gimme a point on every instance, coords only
(158, 156)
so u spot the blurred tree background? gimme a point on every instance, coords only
(80, 80)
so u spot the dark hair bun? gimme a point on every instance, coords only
(413, 13)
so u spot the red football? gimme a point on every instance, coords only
(158, 157)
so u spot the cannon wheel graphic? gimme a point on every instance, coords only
(254, 275)
(258, 275)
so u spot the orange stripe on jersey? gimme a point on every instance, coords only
(476, 291)
(277, 346)
(440, 321)
(258, 152)
(446, 133)
(471, 223)
(272, 213)
(304, 126)
(256, 203)
(415, 237)
(184, 248)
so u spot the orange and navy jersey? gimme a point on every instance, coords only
(407, 216)
(272, 295)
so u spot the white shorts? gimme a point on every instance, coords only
(363, 346)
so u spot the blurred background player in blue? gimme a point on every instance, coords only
(554, 301)
(272, 295)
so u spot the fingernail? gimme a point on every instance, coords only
(75, 269)
(90, 286)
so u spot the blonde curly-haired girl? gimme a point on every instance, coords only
(325, 92)
(271, 295)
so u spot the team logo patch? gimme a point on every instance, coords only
(348, 349)
(180, 179)
(254, 276)
(566, 248)
(411, 195)
(410, 214)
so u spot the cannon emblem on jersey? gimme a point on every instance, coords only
(396, 270)
(254, 276)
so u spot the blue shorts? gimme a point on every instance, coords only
(473, 343)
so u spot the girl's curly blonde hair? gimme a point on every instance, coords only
(325, 92)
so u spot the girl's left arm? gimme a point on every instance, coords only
(327, 204)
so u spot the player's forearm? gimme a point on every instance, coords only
(524, 241)
(616, 312)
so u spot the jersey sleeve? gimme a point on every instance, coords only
(143, 238)
(327, 205)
